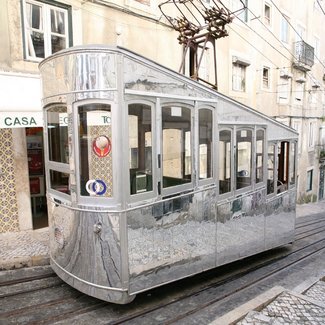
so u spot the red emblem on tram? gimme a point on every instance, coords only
(102, 146)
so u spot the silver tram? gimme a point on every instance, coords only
(153, 177)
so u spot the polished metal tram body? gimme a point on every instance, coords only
(153, 177)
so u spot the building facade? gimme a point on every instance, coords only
(272, 60)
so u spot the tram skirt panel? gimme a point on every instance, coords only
(89, 261)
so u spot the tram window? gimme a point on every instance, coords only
(224, 161)
(292, 163)
(177, 152)
(283, 166)
(59, 181)
(57, 129)
(140, 148)
(259, 155)
(205, 141)
(95, 150)
(243, 158)
(270, 168)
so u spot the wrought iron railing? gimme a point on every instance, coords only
(304, 53)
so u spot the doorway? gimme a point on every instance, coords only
(35, 156)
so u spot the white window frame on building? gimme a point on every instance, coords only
(238, 10)
(284, 31)
(311, 135)
(239, 74)
(299, 90)
(297, 125)
(316, 47)
(267, 13)
(266, 77)
(53, 23)
(309, 180)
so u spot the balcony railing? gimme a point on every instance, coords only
(304, 55)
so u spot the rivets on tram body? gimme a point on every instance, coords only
(97, 227)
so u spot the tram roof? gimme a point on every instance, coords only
(212, 95)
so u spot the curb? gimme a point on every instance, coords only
(257, 303)
(26, 261)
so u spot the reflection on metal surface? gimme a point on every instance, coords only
(115, 242)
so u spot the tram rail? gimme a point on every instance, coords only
(211, 289)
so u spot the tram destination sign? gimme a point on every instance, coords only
(20, 119)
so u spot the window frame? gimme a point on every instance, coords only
(264, 157)
(267, 20)
(232, 160)
(46, 6)
(266, 79)
(208, 180)
(252, 154)
(309, 185)
(275, 167)
(177, 189)
(285, 32)
(243, 82)
(138, 197)
(311, 135)
(52, 165)
(88, 200)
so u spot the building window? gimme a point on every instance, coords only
(144, 2)
(309, 180)
(267, 14)
(285, 29)
(297, 126)
(299, 93)
(283, 91)
(316, 47)
(140, 148)
(46, 29)
(311, 135)
(266, 78)
(238, 77)
(239, 9)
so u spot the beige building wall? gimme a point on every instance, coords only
(140, 27)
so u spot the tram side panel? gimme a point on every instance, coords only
(171, 240)
(280, 219)
(179, 237)
(87, 259)
(241, 227)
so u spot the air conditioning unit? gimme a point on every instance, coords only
(285, 74)
(301, 80)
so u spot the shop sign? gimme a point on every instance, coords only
(21, 119)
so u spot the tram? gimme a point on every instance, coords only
(153, 177)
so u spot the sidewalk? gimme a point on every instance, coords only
(30, 248)
(24, 248)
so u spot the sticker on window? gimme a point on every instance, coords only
(102, 146)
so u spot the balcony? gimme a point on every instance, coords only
(304, 56)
